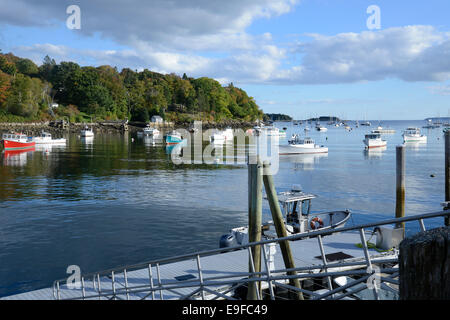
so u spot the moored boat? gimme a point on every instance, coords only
(413, 135)
(17, 141)
(46, 138)
(87, 132)
(373, 140)
(173, 138)
(298, 145)
(298, 219)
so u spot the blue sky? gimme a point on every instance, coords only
(299, 57)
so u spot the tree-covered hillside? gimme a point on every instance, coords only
(27, 92)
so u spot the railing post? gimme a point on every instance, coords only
(269, 281)
(278, 221)
(200, 277)
(447, 174)
(150, 275)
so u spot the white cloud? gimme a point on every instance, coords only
(209, 38)
(411, 53)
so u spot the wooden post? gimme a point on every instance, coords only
(447, 173)
(255, 221)
(400, 175)
(278, 221)
(424, 266)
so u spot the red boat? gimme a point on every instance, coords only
(17, 141)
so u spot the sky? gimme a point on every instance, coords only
(304, 58)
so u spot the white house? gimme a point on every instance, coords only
(157, 119)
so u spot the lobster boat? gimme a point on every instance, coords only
(17, 141)
(298, 219)
(46, 138)
(297, 145)
(173, 138)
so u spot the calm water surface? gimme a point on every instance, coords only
(113, 201)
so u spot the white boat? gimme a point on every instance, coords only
(413, 135)
(149, 131)
(298, 219)
(217, 137)
(301, 146)
(373, 140)
(321, 128)
(382, 130)
(228, 134)
(87, 132)
(46, 138)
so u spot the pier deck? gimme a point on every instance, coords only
(232, 264)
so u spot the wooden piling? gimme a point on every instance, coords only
(255, 222)
(400, 189)
(424, 266)
(447, 173)
(280, 228)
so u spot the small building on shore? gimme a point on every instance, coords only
(157, 119)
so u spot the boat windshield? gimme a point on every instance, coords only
(306, 206)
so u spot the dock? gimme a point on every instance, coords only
(232, 265)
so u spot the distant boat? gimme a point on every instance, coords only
(173, 138)
(413, 135)
(373, 140)
(381, 130)
(46, 138)
(228, 134)
(149, 131)
(321, 128)
(430, 125)
(301, 146)
(217, 137)
(17, 141)
(87, 132)
(367, 123)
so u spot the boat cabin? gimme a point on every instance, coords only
(412, 131)
(295, 139)
(296, 207)
(373, 135)
(15, 137)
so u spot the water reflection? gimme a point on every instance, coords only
(87, 141)
(415, 145)
(374, 153)
(17, 158)
(303, 161)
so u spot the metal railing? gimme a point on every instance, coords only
(139, 282)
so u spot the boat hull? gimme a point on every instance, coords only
(171, 140)
(375, 144)
(15, 145)
(287, 150)
(38, 140)
(414, 139)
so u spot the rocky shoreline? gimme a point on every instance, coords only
(35, 128)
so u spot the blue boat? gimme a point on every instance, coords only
(173, 138)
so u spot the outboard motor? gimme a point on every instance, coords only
(227, 240)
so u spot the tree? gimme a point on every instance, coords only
(27, 67)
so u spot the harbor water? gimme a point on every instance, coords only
(119, 199)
